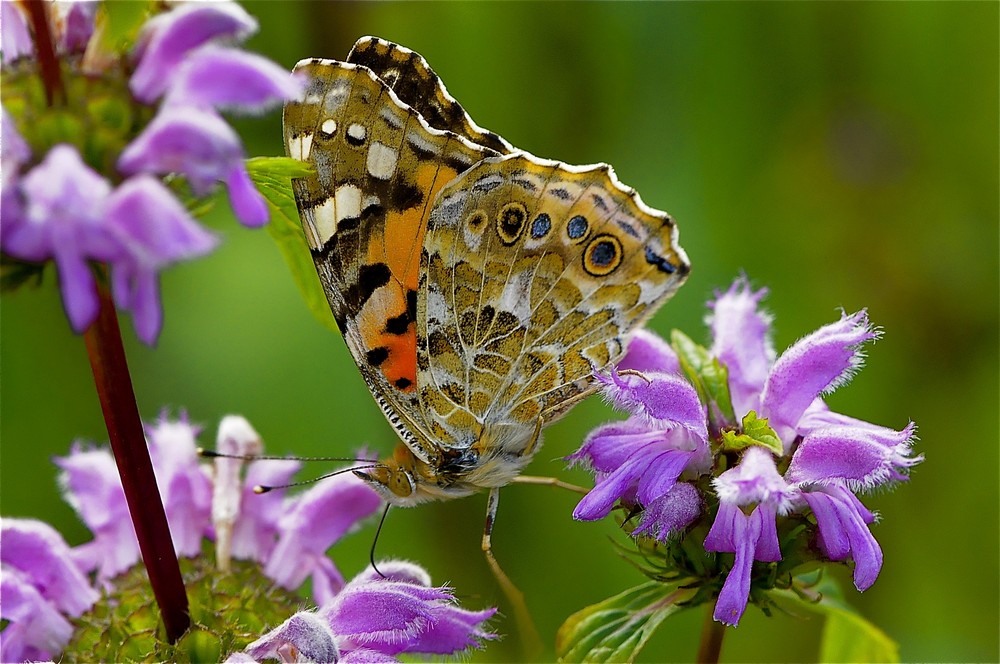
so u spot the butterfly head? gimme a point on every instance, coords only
(405, 480)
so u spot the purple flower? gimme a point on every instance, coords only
(39, 585)
(227, 78)
(63, 219)
(69, 213)
(827, 456)
(246, 523)
(178, 60)
(44, 580)
(167, 39)
(14, 33)
(640, 461)
(63, 210)
(199, 144)
(310, 525)
(154, 231)
(373, 619)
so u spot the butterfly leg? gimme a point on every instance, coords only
(549, 481)
(530, 640)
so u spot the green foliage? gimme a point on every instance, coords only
(847, 635)
(228, 611)
(755, 432)
(273, 176)
(119, 23)
(616, 629)
(709, 377)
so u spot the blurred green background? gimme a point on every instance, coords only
(844, 155)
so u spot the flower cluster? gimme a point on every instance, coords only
(735, 437)
(94, 194)
(45, 581)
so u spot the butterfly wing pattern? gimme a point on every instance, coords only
(477, 287)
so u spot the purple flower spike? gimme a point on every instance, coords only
(168, 38)
(38, 550)
(305, 637)
(226, 78)
(780, 422)
(63, 219)
(815, 365)
(318, 518)
(154, 230)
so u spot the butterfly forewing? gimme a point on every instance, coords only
(378, 169)
(417, 86)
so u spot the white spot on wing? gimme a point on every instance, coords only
(357, 132)
(382, 161)
(321, 223)
(300, 146)
(347, 202)
(329, 126)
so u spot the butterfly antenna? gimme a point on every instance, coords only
(378, 530)
(212, 454)
(261, 488)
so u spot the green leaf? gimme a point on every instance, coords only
(847, 635)
(272, 176)
(755, 432)
(709, 377)
(119, 23)
(616, 629)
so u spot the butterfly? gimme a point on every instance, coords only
(478, 287)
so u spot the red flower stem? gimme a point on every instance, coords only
(45, 50)
(128, 442)
(712, 633)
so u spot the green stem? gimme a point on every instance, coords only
(712, 633)
(128, 442)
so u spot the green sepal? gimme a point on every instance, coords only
(709, 377)
(755, 432)
(616, 629)
(847, 635)
(273, 178)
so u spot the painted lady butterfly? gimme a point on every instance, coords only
(478, 287)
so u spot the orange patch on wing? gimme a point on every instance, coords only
(404, 231)
(387, 302)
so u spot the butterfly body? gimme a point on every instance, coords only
(477, 287)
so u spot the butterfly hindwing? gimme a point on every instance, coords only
(536, 273)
